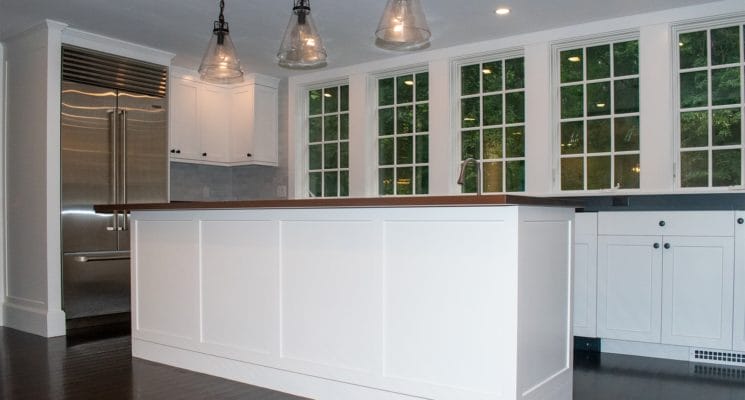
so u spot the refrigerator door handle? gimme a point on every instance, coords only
(110, 256)
(123, 124)
(113, 170)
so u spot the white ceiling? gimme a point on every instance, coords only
(347, 27)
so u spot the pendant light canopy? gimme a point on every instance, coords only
(301, 47)
(220, 63)
(403, 26)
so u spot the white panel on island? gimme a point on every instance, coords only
(441, 302)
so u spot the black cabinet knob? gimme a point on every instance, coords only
(662, 223)
(204, 154)
(173, 151)
(656, 245)
(740, 221)
(178, 151)
(249, 155)
(667, 245)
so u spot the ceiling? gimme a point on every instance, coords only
(347, 27)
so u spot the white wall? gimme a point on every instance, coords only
(33, 271)
(657, 144)
(2, 182)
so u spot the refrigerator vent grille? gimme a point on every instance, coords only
(106, 70)
(717, 357)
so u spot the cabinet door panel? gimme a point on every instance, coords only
(629, 288)
(241, 125)
(738, 342)
(697, 291)
(585, 285)
(264, 139)
(214, 126)
(184, 129)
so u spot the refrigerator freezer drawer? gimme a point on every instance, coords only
(95, 283)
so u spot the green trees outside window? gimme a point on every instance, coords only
(599, 116)
(492, 124)
(328, 141)
(710, 127)
(403, 139)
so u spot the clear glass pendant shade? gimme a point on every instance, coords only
(403, 26)
(301, 47)
(220, 63)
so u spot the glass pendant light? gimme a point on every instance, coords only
(301, 47)
(403, 26)
(220, 63)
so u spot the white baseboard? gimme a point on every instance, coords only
(271, 378)
(641, 349)
(35, 320)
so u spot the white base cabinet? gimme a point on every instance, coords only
(585, 274)
(360, 303)
(738, 341)
(223, 125)
(667, 277)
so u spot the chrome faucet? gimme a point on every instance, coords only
(462, 176)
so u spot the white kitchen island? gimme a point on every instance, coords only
(462, 297)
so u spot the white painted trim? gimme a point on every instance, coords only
(3, 211)
(37, 320)
(118, 47)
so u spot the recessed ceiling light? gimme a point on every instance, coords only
(502, 11)
(574, 59)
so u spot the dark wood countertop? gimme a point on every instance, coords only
(358, 202)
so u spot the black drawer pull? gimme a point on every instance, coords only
(656, 245)
(662, 223)
(740, 221)
(667, 245)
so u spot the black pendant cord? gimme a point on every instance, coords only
(301, 8)
(221, 27)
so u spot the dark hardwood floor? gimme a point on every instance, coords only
(84, 366)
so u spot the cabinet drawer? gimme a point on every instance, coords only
(677, 223)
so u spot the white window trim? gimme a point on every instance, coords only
(455, 99)
(556, 48)
(707, 23)
(372, 101)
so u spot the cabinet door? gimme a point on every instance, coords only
(629, 287)
(584, 275)
(185, 142)
(241, 124)
(214, 123)
(264, 138)
(697, 291)
(738, 342)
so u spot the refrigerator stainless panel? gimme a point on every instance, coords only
(87, 124)
(95, 283)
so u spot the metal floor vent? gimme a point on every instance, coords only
(731, 374)
(717, 357)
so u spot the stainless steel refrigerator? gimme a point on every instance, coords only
(114, 150)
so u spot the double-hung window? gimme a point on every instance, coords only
(710, 68)
(599, 116)
(492, 124)
(328, 141)
(403, 134)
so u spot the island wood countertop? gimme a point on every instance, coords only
(348, 202)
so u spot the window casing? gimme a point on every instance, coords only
(492, 123)
(328, 141)
(403, 134)
(598, 115)
(710, 65)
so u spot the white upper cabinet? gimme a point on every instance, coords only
(253, 124)
(223, 125)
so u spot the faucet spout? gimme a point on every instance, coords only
(462, 175)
